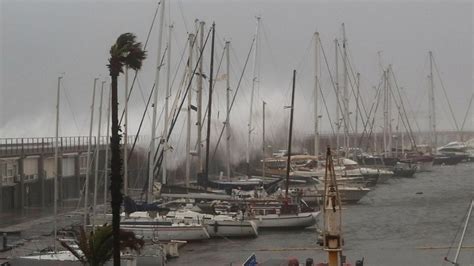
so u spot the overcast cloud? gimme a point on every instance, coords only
(41, 39)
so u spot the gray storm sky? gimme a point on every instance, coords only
(41, 39)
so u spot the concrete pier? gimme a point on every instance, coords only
(27, 171)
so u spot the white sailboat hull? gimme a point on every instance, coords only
(168, 233)
(300, 220)
(232, 228)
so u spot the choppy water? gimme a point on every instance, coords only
(388, 227)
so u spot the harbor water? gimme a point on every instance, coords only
(405, 221)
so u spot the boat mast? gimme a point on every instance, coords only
(288, 160)
(211, 73)
(373, 122)
(97, 150)
(316, 93)
(125, 133)
(463, 233)
(151, 160)
(167, 96)
(357, 104)
(88, 160)
(263, 138)
(385, 110)
(227, 119)
(189, 123)
(56, 165)
(106, 164)
(332, 213)
(254, 82)
(338, 122)
(389, 112)
(345, 101)
(432, 110)
(199, 97)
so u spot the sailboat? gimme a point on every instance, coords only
(283, 213)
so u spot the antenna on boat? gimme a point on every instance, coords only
(332, 213)
(290, 136)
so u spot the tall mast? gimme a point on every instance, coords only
(263, 138)
(89, 144)
(211, 73)
(227, 119)
(288, 160)
(389, 112)
(167, 96)
(97, 148)
(434, 135)
(357, 104)
(254, 82)
(106, 164)
(125, 134)
(199, 97)
(56, 165)
(151, 161)
(316, 93)
(346, 93)
(385, 112)
(373, 122)
(338, 122)
(188, 128)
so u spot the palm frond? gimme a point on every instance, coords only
(126, 51)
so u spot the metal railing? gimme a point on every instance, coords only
(45, 145)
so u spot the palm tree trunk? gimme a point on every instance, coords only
(115, 173)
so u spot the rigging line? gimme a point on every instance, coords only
(410, 108)
(236, 90)
(236, 60)
(180, 5)
(403, 106)
(270, 50)
(373, 119)
(467, 113)
(151, 92)
(352, 85)
(332, 81)
(326, 107)
(144, 49)
(141, 123)
(412, 139)
(306, 52)
(366, 123)
(445, 94)
(70, 107)
(361, 99)
(145, 101)
(173, 122)
(213, 85)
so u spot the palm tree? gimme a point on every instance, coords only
(129, 53)
(96, 248)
